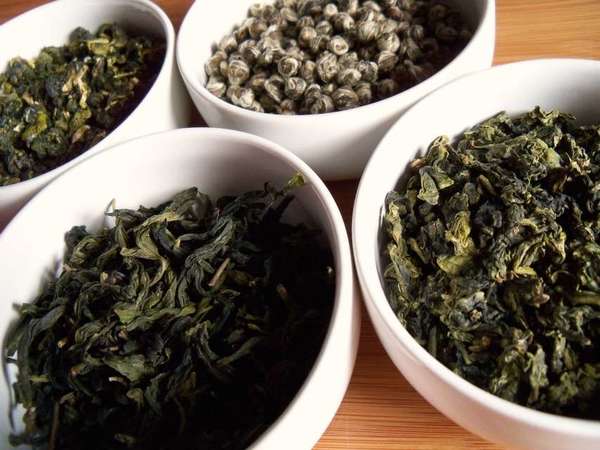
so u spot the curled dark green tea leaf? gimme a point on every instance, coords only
(493, 253)
(67, 99)
(190, 325)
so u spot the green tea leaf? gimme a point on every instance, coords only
(67, 99)
(493, 258)
(188, 325)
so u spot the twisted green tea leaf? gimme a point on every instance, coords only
(69, 98)
(191, 325)
(493, 248)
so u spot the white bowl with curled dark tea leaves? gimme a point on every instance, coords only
(325, 78)
(93, 78)
(203, 298)
(477, 243)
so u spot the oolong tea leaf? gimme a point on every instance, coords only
(67, 99)
(493, 258)
(190, 325)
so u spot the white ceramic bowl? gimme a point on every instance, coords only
(336, 145)
(165, 106)
(151, 170)
(568, 85)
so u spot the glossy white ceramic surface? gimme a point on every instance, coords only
(150, 170)
(568, 85)
(336, 145)
(165, 106)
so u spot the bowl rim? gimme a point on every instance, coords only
(169, 34)
(345, 307)
(417, 91)
(374, 294)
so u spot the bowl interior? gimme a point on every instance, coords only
(568, 85)
(145, 171)
(198, 38)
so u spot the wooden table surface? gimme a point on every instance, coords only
(381, 410)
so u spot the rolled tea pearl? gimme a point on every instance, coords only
(249, 51)
(324, 28)
(413, 51)
(312, 93)
(327, 66)
(224, 68)
(329, 88)
(369, 70)
(238, 72)
(257, 81)
(389, 26)
(364, 93)
(256, 27)
(338, 45)
(386, 61)
(306, 21)
(329, 11)
(308, 71)
(212, 67)
(368, 31)
(349, 77)
(373, 6)
(348, 61)
(216, 85)
(273, 88)
(289, 14)
(267, 103)
(389, 42)
(345, 98)
(417, 32)
(324, 104)
(288, 66)
(307, 34)
(349, 6)
(239, 96)
(295, 87)
(343, 22)
(288, 107)
(318, 44)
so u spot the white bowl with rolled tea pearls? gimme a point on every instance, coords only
(327, 79)
(164, 106)
(570, 86)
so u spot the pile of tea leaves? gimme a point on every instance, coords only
(493, 253)
(191, 325)
(67, 99)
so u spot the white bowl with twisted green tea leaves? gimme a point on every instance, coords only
(149, 171)
(552, 380)
(163, 107)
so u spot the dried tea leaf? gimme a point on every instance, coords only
(493, 253)
(67, 99)
(188, 325)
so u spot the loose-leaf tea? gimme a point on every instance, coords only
(493, 247)
(318, 56)
(69, 98)
(190, 325)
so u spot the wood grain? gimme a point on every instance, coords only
(381, 410)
